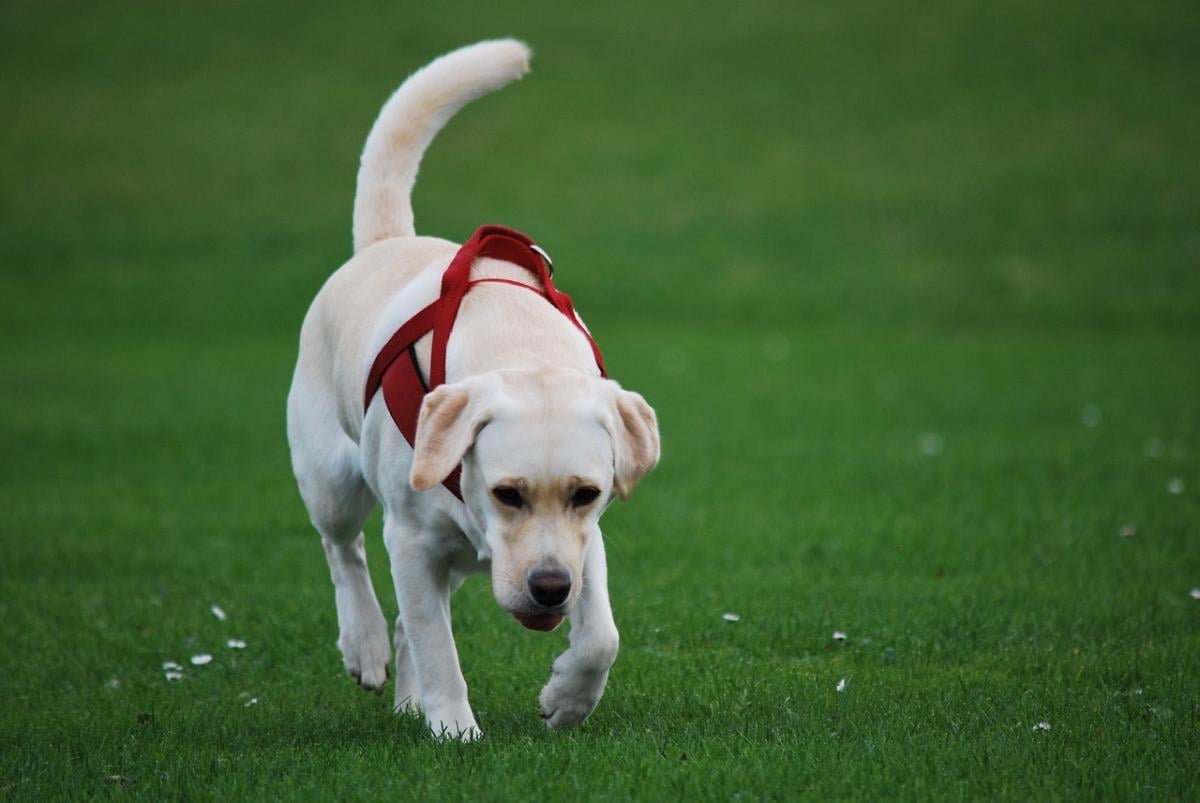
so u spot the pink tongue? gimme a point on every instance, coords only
(540, 621)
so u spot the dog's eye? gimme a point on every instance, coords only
(509, 497)
(584, 497)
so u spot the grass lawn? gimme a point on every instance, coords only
(915, 291)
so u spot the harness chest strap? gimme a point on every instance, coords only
(396, 370)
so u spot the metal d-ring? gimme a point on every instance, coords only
(545, 257)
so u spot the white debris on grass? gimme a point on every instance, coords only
(1042, 726)
(730, 617)
(841, 687)
(1091, 416)
(171, 665)
(931, 443)
(1128, 531)
(173, 674)
(250, 702)
(1195, 593)
(218, 612)
(1175, 486)
(839, 635)
(201, 659)
(235, 644)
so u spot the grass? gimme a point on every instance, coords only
(823, 241)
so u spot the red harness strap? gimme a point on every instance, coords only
(399, 374)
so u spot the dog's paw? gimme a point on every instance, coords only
(570, 697)
(577, 680)
(367, 654)
(407, 704)
(454, 725)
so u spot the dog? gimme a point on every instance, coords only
(520, 441)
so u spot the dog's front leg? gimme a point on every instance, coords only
(423, 586)
(578, 676)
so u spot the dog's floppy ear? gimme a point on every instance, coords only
(451, 417)
(635, 441)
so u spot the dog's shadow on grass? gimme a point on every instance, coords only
(327, 711)
(371, 727)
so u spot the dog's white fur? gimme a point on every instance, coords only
(523, 407)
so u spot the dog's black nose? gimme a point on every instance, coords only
(549, 587)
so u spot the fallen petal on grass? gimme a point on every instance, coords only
(218, 612)
(730, 617)
(201, 659)
(236, 644)
(841, 687)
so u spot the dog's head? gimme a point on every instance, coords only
(543, 453)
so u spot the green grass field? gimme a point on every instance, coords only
(915, 291)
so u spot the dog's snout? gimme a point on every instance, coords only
(549, 587)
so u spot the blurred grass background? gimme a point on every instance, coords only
(914, 289)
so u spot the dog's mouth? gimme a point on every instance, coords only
(544, 622)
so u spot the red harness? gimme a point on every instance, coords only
(400, 376)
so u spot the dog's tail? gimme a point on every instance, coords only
(409, 121)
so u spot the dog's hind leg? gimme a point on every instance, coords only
(326, 464)
(362, 629)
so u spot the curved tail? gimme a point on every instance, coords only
(409, 121)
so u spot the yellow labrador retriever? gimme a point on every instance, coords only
(520, 444)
